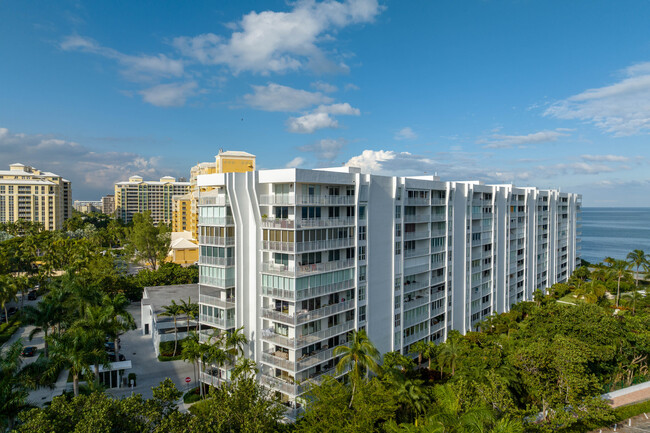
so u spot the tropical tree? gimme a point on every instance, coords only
(430, 353)
(448, 414)
(190, 310)
(119, 319)
(618, 269)
(146, 241)
(13, 392)
(192, 351)
(173, 310)
(245, 367)
(361, 355)
(410, 393)
(235, 341)
(77, 350)
(637, 259)
(44, 316)
(419, 347)
(7, 293)
(450, 352)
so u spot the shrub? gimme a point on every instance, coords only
(192, 396)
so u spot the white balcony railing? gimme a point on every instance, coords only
(217, 302)
(215, 240)
(325, 222)
(217, 261)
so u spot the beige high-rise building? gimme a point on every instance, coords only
(108, 204)
(29, 194)
(185, 215)
(137, 196)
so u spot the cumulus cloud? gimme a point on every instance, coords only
(92, 173)
(320, 118)
(275, 97)
(324, 87)
(502, 141)
(575, 168)
(389, 162)
(136, 68)
(271, 41)
(169, 95)
(621, 109)
(295, 162)
(326, 150)
(405, 134)
(605, 158)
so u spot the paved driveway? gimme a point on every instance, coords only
(149, 371)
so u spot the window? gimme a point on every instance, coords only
(362, 313)
(362, 273)
(398, 230)
(362, 212)
(397, 302)
(398, 212)
(362, 293)
(398, 320)
(362, 253)
(362, 233)
(398, 248)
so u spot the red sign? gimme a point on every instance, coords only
(188, 380)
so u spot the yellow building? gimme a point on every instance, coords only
(137, 196)
(185, 215)
(30, 194)
(183, 249)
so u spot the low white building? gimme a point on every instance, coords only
(161, 328)
(299, 258)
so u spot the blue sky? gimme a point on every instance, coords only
(540, 93)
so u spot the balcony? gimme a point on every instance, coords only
(415, 337)
(418, 269)
(221, 200)
(288, 247)
(418, 234)
(437, 217)
(216, 221)
(305, 340)
(301, 270)
(276, 199)
(421, 218)
(437, 279)
(417, 301)
(327, 244)
(221, 283)
(325, 222)
(217, 261)
(413, 285)
(325, 200)
(416, 252)
(437, 201)
(417, 201)
(281, 359)
(222, 323)
(438, 233)
(278, 223)
(217, 302)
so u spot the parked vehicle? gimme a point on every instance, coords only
(28, 351)
(111, 346)
(111, 356)
(32, 295)
(11, 311)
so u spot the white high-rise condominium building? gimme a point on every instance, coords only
(138, 196)
(299, 258)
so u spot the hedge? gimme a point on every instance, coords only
(8, 329)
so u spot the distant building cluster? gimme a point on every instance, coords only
(85, 206)
(29, 194)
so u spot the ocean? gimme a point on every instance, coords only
(614, 232)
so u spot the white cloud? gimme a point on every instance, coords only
(389, 162)
(169, 95)
(310, 123)
(136, 68)
(320, 118)
(501, 141)
(405, 134)
(92, 173)
(326, 150)
(622, 108)
(351, 86)
(275, 97)
(324, 87)
(280, 41)
(575, 168)
(605, 158)
(295, 162)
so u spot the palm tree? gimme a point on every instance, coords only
(430, 353)
(13, 392)
(637, 259)
(44, 316)
(420, 347)
(192, 352)
(120, 320)
(448, 414)
(235, 342)
(7, 293)
(77, 350)
(173, 310)
(187, 308)
(245, 368)
(450, 352)
(92, 328)
(21, 285)
(411, 394)
(361, 355)
(619, 269)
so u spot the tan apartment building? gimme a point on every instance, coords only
(137, 195)
(185, 214)
(30, 194)
(108, 204)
